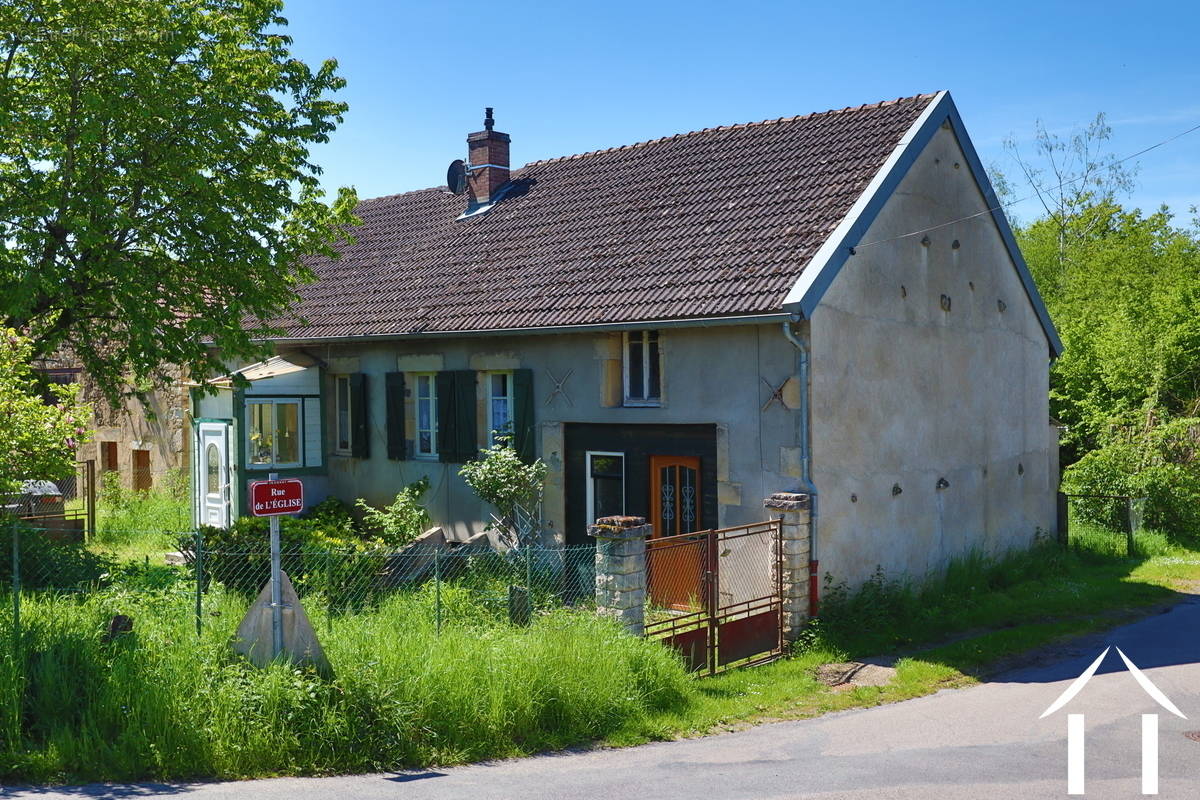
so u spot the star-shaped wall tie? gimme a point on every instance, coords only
(776, 394)
(559, 387)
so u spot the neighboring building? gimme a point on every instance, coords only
(680, 328)
(138, 441)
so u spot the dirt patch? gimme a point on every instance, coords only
(848, 674)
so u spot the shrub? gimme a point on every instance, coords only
(1159, 467)
(501, 478)
(403, 521)
(47, 564)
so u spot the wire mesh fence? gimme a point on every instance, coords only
(455, 586)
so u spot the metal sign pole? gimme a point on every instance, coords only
(276, 587)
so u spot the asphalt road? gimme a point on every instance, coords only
(978, 743)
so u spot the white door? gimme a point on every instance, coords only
(212, 474)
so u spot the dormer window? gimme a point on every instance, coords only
(643, 369)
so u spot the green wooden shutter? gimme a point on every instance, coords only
(523, 422)
(359, 444)
(456, 416)
(465, 436)
(396, 446)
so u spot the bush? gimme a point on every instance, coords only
(48, 564)
(399, 524)
(1171, 485)
(501, 478)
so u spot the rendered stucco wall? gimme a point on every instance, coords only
(928, 365)
(710, 375)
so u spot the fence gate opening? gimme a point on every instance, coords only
(716, 596)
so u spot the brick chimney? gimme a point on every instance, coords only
(487, 156)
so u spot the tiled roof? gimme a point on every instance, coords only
(711, 223)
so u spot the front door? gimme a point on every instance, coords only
(212, 474)
(675, 568)
(674, 494)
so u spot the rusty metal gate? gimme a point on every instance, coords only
(716, 597)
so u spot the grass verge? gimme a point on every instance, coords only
(949, 632)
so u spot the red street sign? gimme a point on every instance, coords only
(269, 498)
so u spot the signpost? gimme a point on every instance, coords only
(273, 498)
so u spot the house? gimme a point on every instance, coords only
(831, 303)
(137, 441)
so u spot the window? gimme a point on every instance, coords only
(341, 402)
(273, 433)
(427, 421)
(500, 405)
(142, 478)
(108, 456)
(606, 485)
(213, 471)
(642, 369)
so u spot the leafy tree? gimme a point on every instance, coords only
(37, 440)
(1123, 289)
(156, 187)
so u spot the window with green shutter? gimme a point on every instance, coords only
(523, 421)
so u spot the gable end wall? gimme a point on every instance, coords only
(906, 393)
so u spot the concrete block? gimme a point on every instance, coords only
(431, 362)
(790, 463)
(494, 361)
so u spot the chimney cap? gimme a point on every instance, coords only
(488, 122)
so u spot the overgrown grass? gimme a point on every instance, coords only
(163, 703)
(128, 519)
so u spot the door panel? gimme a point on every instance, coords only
(212, 476)
(675, 495)
(676, 570)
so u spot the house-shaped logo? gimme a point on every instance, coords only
(1075, 726)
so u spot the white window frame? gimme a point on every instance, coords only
(433, 416)
(491, 423)
(298, 402)
(641, 402)
(591, 490)
(338, 449)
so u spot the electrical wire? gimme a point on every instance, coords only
(1001, 206)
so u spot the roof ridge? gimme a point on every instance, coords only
(735, 126)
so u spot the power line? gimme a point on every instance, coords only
(1154, 146)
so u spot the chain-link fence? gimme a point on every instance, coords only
(474, 586)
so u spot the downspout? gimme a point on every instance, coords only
(803, 431)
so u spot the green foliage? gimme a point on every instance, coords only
(403, 521)
(46, 563)
(37, 440)
(74, 707)
(501, 478)
(157, 186)
(124, 514)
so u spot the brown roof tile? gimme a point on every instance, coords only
(711, 223)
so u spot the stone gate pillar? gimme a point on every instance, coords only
(791, 552)
(621, 569)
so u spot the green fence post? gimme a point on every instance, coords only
(328, 591)
(437, 588)
(16, 585)
(199, 581)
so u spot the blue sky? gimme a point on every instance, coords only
(567, 77)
